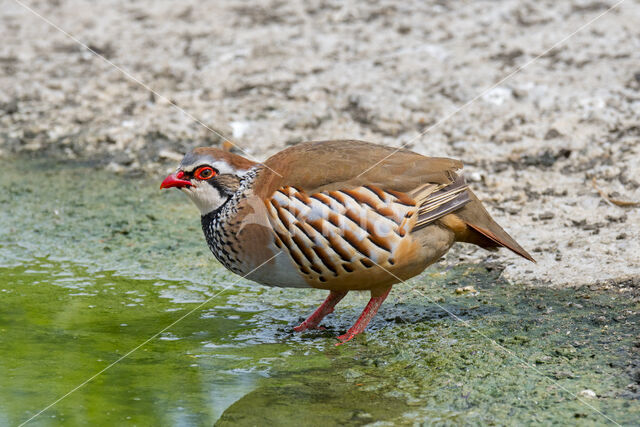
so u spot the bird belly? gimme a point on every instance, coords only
(278, 271)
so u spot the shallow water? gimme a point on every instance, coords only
(92, 265)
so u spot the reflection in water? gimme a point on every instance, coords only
(223, 394)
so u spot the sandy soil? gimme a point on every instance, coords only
(271, 74)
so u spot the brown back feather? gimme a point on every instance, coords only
(330, 165)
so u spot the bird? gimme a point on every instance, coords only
(339, 215)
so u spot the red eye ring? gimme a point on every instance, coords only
(204, 173)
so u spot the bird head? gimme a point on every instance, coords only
(209, 176)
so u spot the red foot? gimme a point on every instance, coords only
(368, 313)
(325, 308)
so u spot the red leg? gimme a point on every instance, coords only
(369, 313)
(325, 308)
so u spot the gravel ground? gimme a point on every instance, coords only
(268, 74)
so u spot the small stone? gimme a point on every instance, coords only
(361, 416)
(352, 373)
(114, 167)
(589, 394)
(551, 134)
(475, 177)
(170, 155)
(601, 320)
(561, 375)
(10, 107)
(467, 290)
(546, 216)
(239, 128)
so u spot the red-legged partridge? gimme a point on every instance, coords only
(319, 215)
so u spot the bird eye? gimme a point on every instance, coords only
(205, 172)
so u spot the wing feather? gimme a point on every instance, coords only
(316, 167)
(441, 200)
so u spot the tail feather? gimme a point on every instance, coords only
(480, 229)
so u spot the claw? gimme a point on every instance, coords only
(345, 338)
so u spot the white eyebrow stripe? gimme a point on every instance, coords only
(221, 166)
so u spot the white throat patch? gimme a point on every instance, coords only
(205, 196)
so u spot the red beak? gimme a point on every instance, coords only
(175, 180)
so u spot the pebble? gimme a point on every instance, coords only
(589, 394)
(170, 155)
(546, 216)
(467, 290)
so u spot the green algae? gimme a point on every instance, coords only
(521, 356)
(93, 264)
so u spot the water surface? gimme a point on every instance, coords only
(92, 265)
